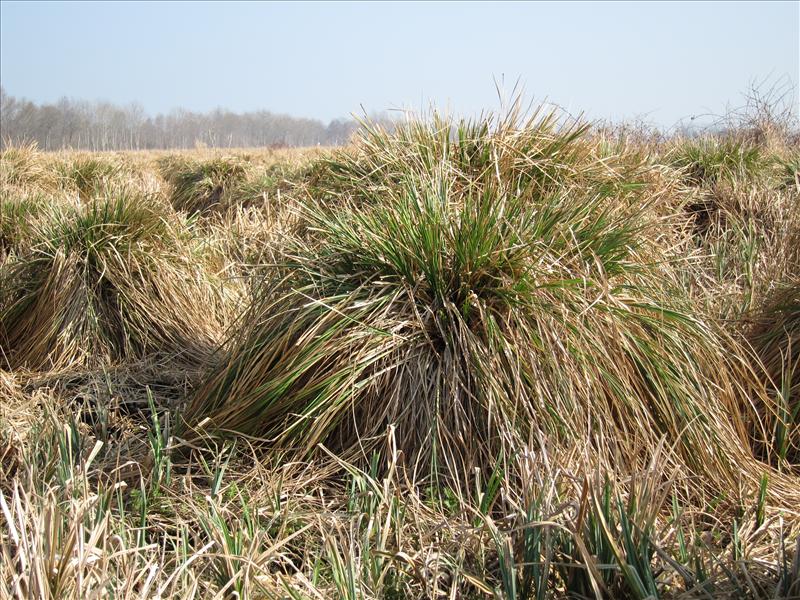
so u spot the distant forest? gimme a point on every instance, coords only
(84, 125)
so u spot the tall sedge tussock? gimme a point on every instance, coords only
(24, 166)
(20, 210)
(262, 184)
(709, 160)
(198, 185)
(477, 304)
(254, 217)
(87, 174)
(107, 281)
(746, 224)
(15, 213)
(250, 239)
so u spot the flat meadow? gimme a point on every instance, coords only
(519, 356)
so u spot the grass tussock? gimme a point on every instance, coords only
(539, 151)
(710, 160)
(747, 227)
(87, 174)
(16, 212)
(198, 185)
(477, 306)
(24, 166)
(107, 281)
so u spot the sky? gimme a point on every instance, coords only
(660, 62)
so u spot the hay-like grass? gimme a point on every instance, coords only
(107, 281)
(477, 303)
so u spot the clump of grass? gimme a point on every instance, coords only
(717, 170)
(87, 174)
(264, 185)
(199, 185)
(444, 298)
(709, 160)
(789, 170)
(477, 303)
(102, 282)
(24, 166)
(15, 213)
(253, 191)
(250, 239)
(749, 235)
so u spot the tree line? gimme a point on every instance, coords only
(84, 125)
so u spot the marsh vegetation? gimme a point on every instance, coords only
(521, 356)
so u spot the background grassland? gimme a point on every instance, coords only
(516, 357)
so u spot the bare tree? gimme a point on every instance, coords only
(78, 124)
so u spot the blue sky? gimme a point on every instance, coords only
(662, 61)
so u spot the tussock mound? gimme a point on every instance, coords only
(24, 166)
(479, 286)
(106, 281)
(198, 185)
(88, 175)
(14, 223)
(708, 161)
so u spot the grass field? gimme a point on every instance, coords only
(514, 357)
